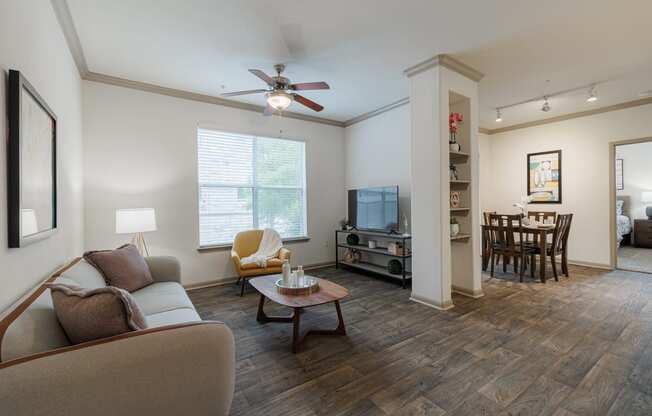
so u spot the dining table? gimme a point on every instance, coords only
(540, 231)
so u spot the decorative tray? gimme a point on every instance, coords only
(310, 285)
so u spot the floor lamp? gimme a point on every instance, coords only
(136, 221)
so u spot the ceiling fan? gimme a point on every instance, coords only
(281, 91)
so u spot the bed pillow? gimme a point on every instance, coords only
(89, 314)
(619, 207)
(123, 267)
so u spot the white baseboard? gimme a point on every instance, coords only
(230, 280)
(432, 304)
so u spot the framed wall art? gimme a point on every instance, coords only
(544, 178)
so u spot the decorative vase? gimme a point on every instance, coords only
(352, 239)
(455, 147)
(394, 267)
(455, 229)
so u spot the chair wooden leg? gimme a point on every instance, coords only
(242, 288)
(493, 263)
(533, 265)
(564, 263)
(554, 267)
(522, 269)
(505, 263)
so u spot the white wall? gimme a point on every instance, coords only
(140, 151)
(637, 175)
(377, 153)
(31, 41)
(585, 172)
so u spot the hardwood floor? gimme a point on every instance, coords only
(582, 346)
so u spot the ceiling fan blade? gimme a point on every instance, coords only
(310, 86)
(233, 94)
(308, 103)
(260, 74)
(269, 110)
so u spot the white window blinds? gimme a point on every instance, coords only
(248, 182)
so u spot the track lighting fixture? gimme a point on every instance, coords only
(546, 105)
(592, 95)
(499, 115)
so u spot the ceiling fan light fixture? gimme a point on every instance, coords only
(499, 116)
(546, 105)
(279, 100)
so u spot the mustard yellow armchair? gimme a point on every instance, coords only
(245, 244)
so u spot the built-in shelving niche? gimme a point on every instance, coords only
(462, 244)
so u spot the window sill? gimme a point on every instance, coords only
(229, 245)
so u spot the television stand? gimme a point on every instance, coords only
(371, 254)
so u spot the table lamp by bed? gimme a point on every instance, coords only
(647, 197)
(136, 221)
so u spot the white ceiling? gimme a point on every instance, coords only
(361, 47)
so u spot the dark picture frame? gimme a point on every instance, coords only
(544, 177)
(620, 174)
(31, 164)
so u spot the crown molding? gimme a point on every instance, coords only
(446, 61)
(204, 98)
(64, 17)
(607, 109)
(377, 111)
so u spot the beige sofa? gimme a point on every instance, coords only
(178, 365)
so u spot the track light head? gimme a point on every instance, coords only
(546, 105)
(592, 96)
(499, 115)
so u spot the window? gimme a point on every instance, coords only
(249, 182)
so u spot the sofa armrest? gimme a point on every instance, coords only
(179, 369)
(284, 254)
(164, 268)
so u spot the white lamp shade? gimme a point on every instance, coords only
(646, 196)
(135, 220)
(28, 224)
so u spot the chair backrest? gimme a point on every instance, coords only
(505, 228)
(485, 216)
(246, 243)
(541, 216)
(561, 233)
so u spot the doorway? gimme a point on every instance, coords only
(631, 204)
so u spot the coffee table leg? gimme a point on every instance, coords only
(296, 340)
(262, 317)
(340, 330)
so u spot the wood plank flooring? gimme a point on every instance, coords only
(581, 346)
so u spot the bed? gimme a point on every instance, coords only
(623, 221)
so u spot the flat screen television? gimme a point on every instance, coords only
(374, 209)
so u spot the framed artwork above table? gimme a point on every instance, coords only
(544, 177)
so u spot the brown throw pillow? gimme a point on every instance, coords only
(88, 314)
(123, 267)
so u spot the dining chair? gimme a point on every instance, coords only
(506, 237)
(486, 244)
(541, 217)
(559, 244)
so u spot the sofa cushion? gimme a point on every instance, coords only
(83, 274)
(89, 314)
(123, 267)
(176, 316)
(161, 297)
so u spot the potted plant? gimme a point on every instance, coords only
(454, 120)
(455, 227)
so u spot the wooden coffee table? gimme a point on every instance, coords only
(328, 292)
